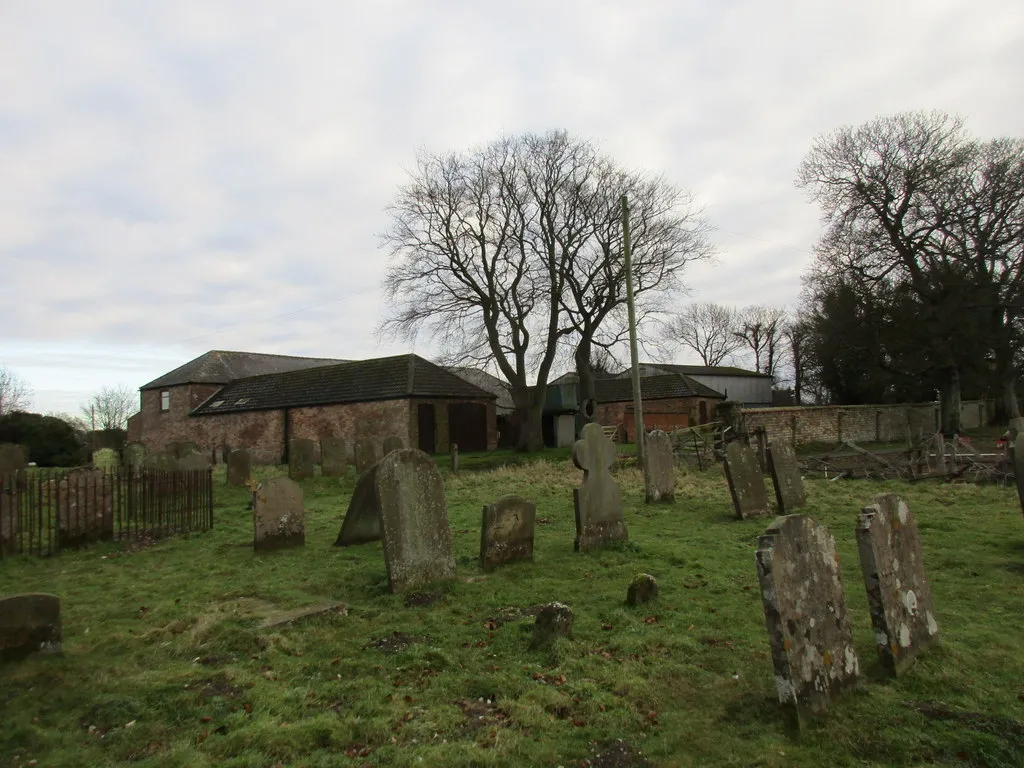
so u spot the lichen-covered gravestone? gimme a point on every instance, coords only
(29, 623)
(239, 467)
(506, 534)
(84, 499)
(642, 589)
(598, 500)
(13, 458)
(365, 454)
(554, 620)
(1018, 467)
(785, 472)
(300, 458)
(333, 456)
(659, 467)
(393, 443)
(899, 596)
(105, 458)
(746, 483)
(278, 516)
(134, 455)
(805, 613)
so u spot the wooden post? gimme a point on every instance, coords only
(638, 413)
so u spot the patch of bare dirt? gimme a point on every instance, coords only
(395, 642)
(616, 754)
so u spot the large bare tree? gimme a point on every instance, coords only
(110, 408)
(760, 329)
(707, 329)
(15, 393)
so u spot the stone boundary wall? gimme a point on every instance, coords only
(860, 423)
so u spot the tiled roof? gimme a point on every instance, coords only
(704, 370)
(384, 378)
(666, 387)
(220, 367)
(489, 382)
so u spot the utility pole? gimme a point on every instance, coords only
(638, 412)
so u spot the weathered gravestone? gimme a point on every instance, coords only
(333, 457)
(453, 453)
(239, 467)
(134, 455)
(13, 458)
(162, 461)
(392, 443)
(1018, 467)
(84, 499)
(181, 448)
(598, 500)
(278, 516)
(746, 483)
(401, 500)
(506, 534)
(899, 596)
(29, 623)
(190, 462)
(659, 467)
(805, 613)
(365, 454)
(785, 472)
(105, 458)
(642, 589)
(554, 620)
(300, 458)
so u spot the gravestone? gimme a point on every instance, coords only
(805, 613)
(365, 454)
(29, 623)
(105, 458)
(190, 462)
(300, 458)
(659, 467)
(554, 620)
(598, 500)
(453, 452)
(746, 483)
(899, 596)
(134, 455)
(13, 458)
(785, 472)
(161, 460)
(84, 499)
(362, 518)
(12, 485)
(181, 448)
(1018, 467)
(278, 516)
(506, 534)
(642, 589)
(1016, 427)
(333, 457)
(392, 443)
(239, 467)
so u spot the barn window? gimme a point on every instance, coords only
(216, 403)
(165, 400)
(242, 401)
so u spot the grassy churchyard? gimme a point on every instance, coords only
(167, 661)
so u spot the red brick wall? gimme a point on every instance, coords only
(658, 414)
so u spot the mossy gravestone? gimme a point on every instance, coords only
(29, 623)
(365, 454)
(278, 516)
(805, 613)
(162, 461)
(300, 458)
(239, 468)
(899, 595)
(659, 467)
(105, 458)
(598, 500)
(134, 455)
(333, 456)
(506, 533)
(785, 472)
(746, 483)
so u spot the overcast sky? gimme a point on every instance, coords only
(183, 176)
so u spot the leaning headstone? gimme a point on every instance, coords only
(392, 443)
(598, 500)
(746, 483)
(239, 467)
(161, 460)
(642, 589)
(785, 472)
(105, 458)
(134, 455)
(554, 620)
(506, 534)
(29, 623)
(365, 454)
(84, 499)
(454, 455)
(805, 613)
(1018, 467)
(300, 458)
(899, 596)
(278, 516)
(333, 457)
(414, 520)
(659, 467)
(362, 518)
(13, 458)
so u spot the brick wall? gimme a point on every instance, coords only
(860, 423)
(658, 414)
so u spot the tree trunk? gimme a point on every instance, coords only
(1009, 397)
(585, 375)
(950, 401)
(529, 403)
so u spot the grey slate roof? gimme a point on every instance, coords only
(665, 387)
(705, 370)
(497, 387)
(220, 367)
(383, 378)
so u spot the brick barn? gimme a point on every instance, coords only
(224, 400)
(670, 401)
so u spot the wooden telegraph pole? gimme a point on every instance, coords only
(638, 413)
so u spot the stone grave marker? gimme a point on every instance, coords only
(659, 467)
(453, 453)
(642, 589)
(554, 620)
(300, 458)
(84, 499)
(746, 483)
(1016, 427)
(392, 443)
(598, 500)
(29, 623)
(161, 460)
(134, 455)
(191, 462)
(278, 516)
(13, 458)
(365, 454)
(362, 519)
(239, 467)
(785, 472)
(506, 534)
(105, 458)
(805, 613)
(899, 596)
(333, 457)
(181, 448)
(1018, 467)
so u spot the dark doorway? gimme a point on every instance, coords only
(703, 408)
(467, 426)
(427, 427)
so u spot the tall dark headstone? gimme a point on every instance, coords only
(598, 500)
(362, 518)
(506, 534)
(300, 458)
(785, 472)
(333, 456)
(746, 483)
(239, 468)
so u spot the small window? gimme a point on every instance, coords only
(242, 401)
(165, 401)
(216, 403)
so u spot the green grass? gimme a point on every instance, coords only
(164, 662)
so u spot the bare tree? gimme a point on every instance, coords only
(795, 332)
(110, 408)
(761, 331)
(15, 393)
(706, 329)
